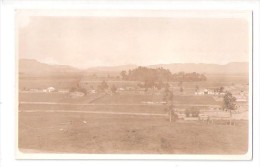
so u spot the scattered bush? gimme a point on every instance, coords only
(192, 112)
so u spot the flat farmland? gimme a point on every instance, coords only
(113, 99)
(93, 108)
(213, 81)
(127, 122)
(126, 99)
(56, 97)
(56, 102)
(43, 83)
(93, 133)
(218, 80)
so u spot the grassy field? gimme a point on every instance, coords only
(113, 99)
(85, 108)
(107, 103)
(96, 123)
(213, 81)
(43, 83)
(56, 97)
(93, 133)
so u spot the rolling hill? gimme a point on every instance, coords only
(230, 68)
(34, 67)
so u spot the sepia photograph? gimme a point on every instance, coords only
(142, 82)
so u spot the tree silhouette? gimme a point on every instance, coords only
(123, 75)
(113, 88)
(160, 74)
(197, 88)
(168, 98)
(229, 103)
(103, 86)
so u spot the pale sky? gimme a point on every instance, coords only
(87, 41)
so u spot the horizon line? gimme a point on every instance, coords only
(99, 66)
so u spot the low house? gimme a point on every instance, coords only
(76, 94)
(120, 90)
(222, 93)
(129, 88)
(93, 91)
(203, 92)
(199, 93)
(207, 92)
(63, 91)
(181, 115)
(50, 89)
(33, 90)
(241, 98)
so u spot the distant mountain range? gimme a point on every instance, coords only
(230, 68)
(29, 66)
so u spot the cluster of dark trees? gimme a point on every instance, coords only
(229, 102)
(104, 86)
(192, 112)
(77, 87)
(220, 90)
(188, 77)
(146, 74)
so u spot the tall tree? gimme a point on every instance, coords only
(229, 103)
(103, 86)
(113, 88)
(221, 89)
(123, 75)
(168, 98)
(197, 88)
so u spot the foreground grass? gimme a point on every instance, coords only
(91, 133)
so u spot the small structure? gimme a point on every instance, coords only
(191, 118)
(129, 88)
(121, 89)
(63, 91)
(50, 89)
(44, 90)
(33, 90)
(208, 92)
(222, 93)
(93, 91)
(199, 93)
(181, 115)
(76, 94)
(241, 98)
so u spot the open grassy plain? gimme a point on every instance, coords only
(106, 133)
(123, 122)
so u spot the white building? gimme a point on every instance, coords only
(93, 91)
(50, 89)
(63, 91)
(76, 94)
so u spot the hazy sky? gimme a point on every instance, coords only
(87, 41)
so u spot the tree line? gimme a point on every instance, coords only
(146, 74)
